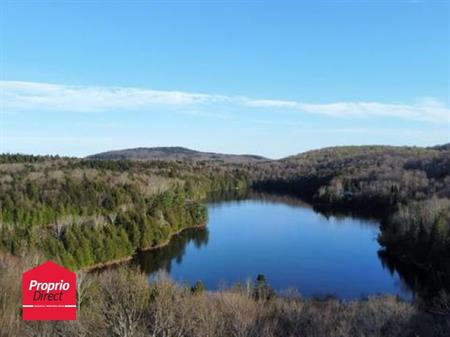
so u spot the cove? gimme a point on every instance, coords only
(289, 242)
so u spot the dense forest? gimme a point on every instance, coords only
(407, 188)
(52, 204)
(84, 213)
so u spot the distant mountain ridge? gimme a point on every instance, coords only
(182, 153)
(443, 147)
(175, 153)
(353, 151)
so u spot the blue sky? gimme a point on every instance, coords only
(266, 77)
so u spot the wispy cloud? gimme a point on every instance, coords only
(199, 113)
(33, 96)
(270, 103)
(426, 109)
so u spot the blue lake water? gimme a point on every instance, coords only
(290, 243)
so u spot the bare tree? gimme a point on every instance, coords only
(124, 298)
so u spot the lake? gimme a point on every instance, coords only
(289, 242)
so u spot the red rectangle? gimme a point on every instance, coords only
(49, 293)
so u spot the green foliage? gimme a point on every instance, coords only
(420, 230)
(41, 197)
(86, 212)
(262, 291)
(198, 288)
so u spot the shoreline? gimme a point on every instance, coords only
(121, 260)
(165, 243)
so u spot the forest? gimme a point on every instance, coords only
(408, 189)
(51, 203)
(85, 213)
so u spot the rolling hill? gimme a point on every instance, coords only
(175, 153)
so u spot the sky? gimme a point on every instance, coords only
(273, 78)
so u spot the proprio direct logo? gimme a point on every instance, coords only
(49, 293)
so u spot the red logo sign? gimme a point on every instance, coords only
(49, 292)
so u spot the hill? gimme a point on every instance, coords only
(443, 147)
(175, 153)
(358, 152)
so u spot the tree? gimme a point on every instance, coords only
(262, 290)
(198, 288)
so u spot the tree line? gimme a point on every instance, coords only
(407, 187)
(82, 213)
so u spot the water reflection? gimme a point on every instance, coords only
(152, 261)
(424, 284)
(326, 211)
(317, 251)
